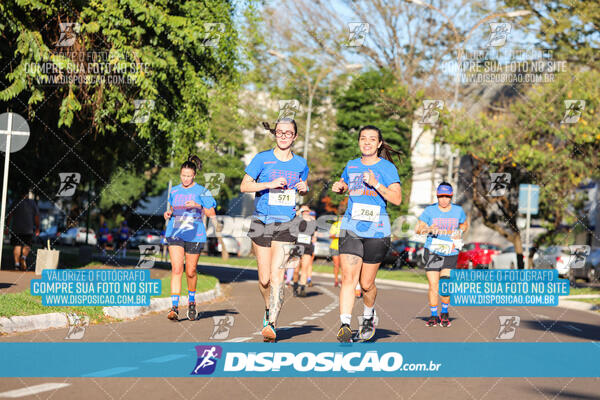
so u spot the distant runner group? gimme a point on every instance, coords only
(283, 235)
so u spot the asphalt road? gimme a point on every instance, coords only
(402, 313)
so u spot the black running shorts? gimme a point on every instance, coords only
(371, 250)
(188, 247)
(263, 234)
(435, 262)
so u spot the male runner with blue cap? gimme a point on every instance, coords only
(444, 224)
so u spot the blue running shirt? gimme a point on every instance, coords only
(366, 214)
(445, 220)
(276, 205)
(186, 223)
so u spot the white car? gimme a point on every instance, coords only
(554, 257)
(507, 259)
(75, 236)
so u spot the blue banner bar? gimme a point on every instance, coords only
(300, 359)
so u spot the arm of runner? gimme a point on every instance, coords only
(250, 185)
(340, 186)
(302, 187)
(392, 193)
(423, 229)
(167, 214)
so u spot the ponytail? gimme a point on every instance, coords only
(385, 151)
(193, 162)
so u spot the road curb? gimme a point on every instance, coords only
(28, 323)
(157, 305)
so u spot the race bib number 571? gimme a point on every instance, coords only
(281, 197)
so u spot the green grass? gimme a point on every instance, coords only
(584, 290)
(23, 303)
(204, 283)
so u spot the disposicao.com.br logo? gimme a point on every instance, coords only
(311, 363)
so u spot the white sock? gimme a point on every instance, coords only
(368, 311)
(346, 318)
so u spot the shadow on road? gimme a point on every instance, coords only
(566, 394)
(382, 334)
(4, 285)
(575, 329)
(289, 333)
(214, 313)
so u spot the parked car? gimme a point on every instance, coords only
(322, 247)
(231, 244)
(75, 236)
(144, 236)
(507, 258)
(477, 255)
(591, 269)
(403, 253)
(553, 257)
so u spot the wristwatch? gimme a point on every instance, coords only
(377, 186)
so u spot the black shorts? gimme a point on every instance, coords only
(263, 234)
(307, 249)
(21, 239)
(435, 262)
(188, 247)
(371, 250)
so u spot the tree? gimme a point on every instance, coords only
(176, 55)
(537, 140)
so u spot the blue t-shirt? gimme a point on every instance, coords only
(186, 222)
(445, 220)
(276, 205)
(366, 214)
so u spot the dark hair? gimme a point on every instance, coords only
(286, 121)
(193, 162)
(385, 150)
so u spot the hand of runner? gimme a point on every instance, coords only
(278, 183)
(301, 186)
(339, 186)
(369, 178)
(167, 214)
(192, 204)
(433, 229)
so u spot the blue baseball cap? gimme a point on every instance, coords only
(444, 190)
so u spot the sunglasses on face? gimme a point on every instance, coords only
(444, 196)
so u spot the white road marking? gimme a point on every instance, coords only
(318, 314)
(574, 328)
(239, 339)
(309, 318)
(31, 390)
(298, 323)
(542, 316)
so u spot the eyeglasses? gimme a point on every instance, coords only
(287, 134)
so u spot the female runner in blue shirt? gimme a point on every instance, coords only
(185, 234)
(276, 176)
(365, 232)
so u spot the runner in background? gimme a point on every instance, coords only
(186, 234)
(103, 233)
(305, 243)
(334, 234)
(276, 176)
(313, 216)
(123, 237)
(371, 182)
(444, 224)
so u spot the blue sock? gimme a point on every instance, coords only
(192, 296)
(433, 311)
(445, 307)
(175, 300)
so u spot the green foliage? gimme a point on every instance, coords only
(531, 142)
(374, 98)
